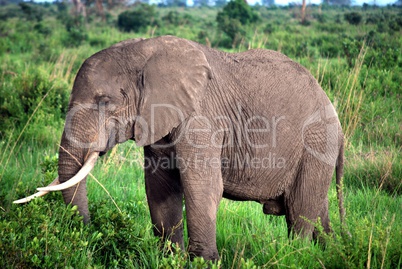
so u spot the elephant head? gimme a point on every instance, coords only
(137, 89)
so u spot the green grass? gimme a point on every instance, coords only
(121, 234)
(360, 71)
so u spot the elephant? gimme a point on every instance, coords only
(248, 126)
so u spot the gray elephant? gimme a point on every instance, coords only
(245, 126)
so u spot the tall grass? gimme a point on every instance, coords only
(350, 98)
(245, 236)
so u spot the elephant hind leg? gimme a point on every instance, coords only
(324, 219)
(306, 200)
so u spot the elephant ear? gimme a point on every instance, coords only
(173, 82)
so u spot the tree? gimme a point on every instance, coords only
(79, 8)
(238, 10)
(303, 12)
(353, 18)
(234, 16)
(142, 16)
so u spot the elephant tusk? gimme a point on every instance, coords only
(38, 194)
(84, 171)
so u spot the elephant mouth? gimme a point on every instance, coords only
(57, 186)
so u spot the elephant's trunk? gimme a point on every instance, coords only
(74, 165)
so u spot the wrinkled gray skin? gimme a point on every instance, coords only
(245, 126)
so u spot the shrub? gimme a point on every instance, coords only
(233, 28)
(31, 12)
(10, 11)
(375, 18)
(176, 19)
(240, 10)
(269, 28)
(43, 28)
(234, 16)
(394, 25)
(136, 20)
(76, 31)
(384, 57)
(32, 239)
(21, 95)
(353, 18)
(351, 50)
(320, 17)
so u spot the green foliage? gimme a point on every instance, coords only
(77, 33)
(176, 19)
(32, 238)
(142, 16)
(239, 10)
(31, 12)
(10, 11)
(49, 167)
(353, 18)
(234, 16)
(32, 96)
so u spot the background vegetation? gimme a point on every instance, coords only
(355, 54)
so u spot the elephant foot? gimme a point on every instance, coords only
(274, 207)
(207, 254)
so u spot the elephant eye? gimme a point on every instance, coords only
(103, 100)
(123, 93)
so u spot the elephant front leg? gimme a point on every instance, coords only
(165, 197)
(203, 189)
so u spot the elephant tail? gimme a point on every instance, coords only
(339, 188)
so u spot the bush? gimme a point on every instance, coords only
(31, 12)
(176, 19)
(76, 31)
(136, 20)
(269, 28)
(234, 16)
(375, 18)
(353, 18)
(21, 95)
(240, 10)
(32, 239)
(321, 18)
(10, 11)
(394, 25)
